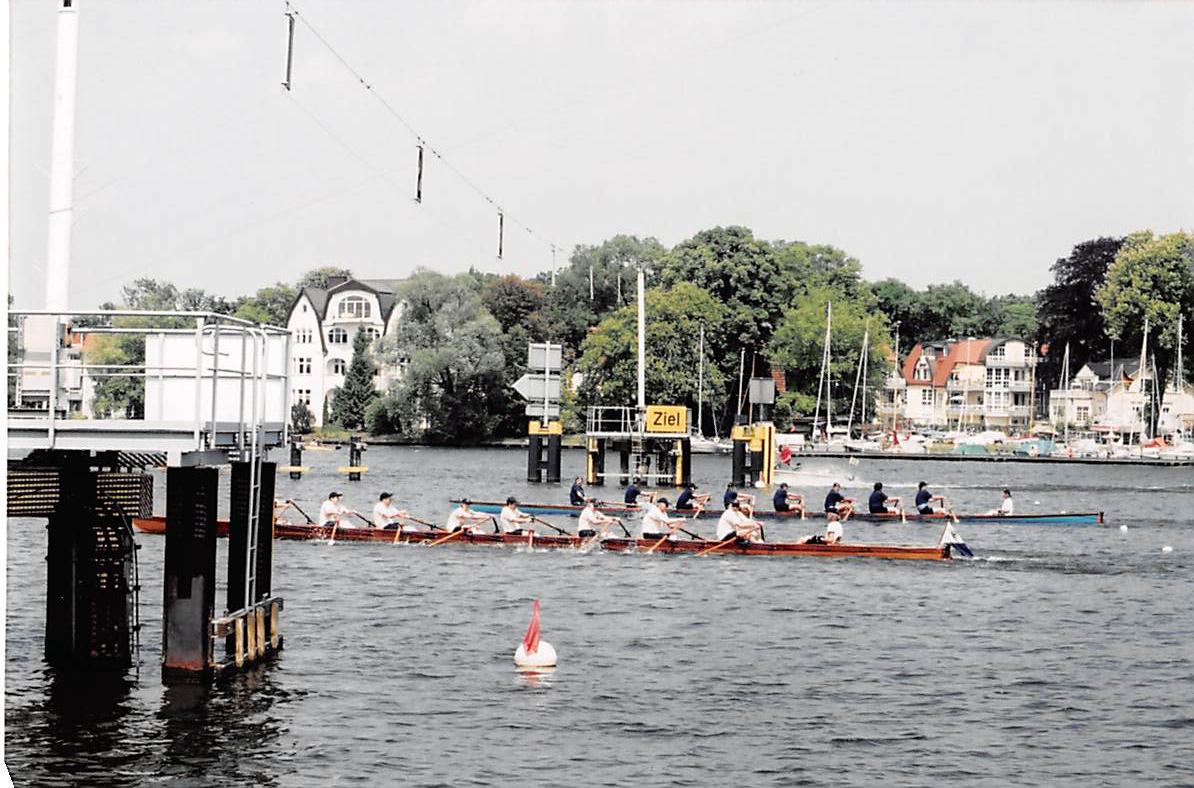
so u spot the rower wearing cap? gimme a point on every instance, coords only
(837, 505)
(690, 499)
(331, 512)
(924, 499)
(463, 518)
(734, 522)
(656, 523)
(511, 519)
(386, 515)
(633, 492)
(592, 519)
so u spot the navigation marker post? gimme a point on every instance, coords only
(541, 388)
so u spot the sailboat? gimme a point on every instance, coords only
(697, 442)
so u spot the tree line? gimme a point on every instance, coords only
(461, 340)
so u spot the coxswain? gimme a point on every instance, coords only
(331, 513)
(781, 501)
(833, 531)
(592, 520)
(512, 520)
(1007, 508)
(576, 495)
(656, 524)
(463, 518)
(837, 506)
(691, 499)
(879, 500)
(735, 522)
(386, 515)
(924, 499)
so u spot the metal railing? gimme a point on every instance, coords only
(60, 374)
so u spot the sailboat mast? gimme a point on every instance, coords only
(62, 160)
(828, 373)
(1143, 373)
(701, 385)
(1065, 374)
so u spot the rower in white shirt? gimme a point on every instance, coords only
(656, 523)
(386, 515)
(512, 520)
(592, 520)
(1007, 508)
(734, 522)
(464, 518)
(331, 513)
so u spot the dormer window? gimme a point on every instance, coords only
(355, 307)
(922, 370)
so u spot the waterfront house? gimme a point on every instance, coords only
(323, 323)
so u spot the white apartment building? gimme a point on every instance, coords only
(966, 384)
(1109, 399)
(323, 324)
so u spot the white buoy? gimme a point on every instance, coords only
(544, 656)
(1123, 528)
(1166, 549)
(759, 483)
(533, 653)
(1036, 503)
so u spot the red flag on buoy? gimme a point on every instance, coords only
(530, 641)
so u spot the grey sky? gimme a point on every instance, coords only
(933, 141)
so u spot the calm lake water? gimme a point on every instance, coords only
(1061, 655)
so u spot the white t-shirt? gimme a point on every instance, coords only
(459, 519)
(509, 518)
(330, 512)
(655, 521)
(729, 522)
(834, 529)
(591, 519)
(383, 512)
(1007, 507)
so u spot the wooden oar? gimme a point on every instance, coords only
(722, 543)
(622, 525)
(398, 530)
(298, 509)
(443, 539)
(662, 539)
(363, 519)
(549, 525)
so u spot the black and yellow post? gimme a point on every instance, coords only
(762, 452)
(683, 464)
(542, 437)
(595, 462)
(740, 463)
(354, 469)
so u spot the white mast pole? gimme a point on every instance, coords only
(828, 373)
(701, 385)
(62, 160)
(1141, 372)
(1180, 371)
(1065, 373)
(642, 339)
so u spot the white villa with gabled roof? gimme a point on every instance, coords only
(323, 323)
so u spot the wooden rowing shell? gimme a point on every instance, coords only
(839, 550)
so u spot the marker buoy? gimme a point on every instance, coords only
(532, 652)
(1123, 528)
(1036, 503)
(1166, 549)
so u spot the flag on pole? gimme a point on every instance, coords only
(530, 641)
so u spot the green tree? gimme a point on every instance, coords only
(1151, 278)
(301, 418)
(320, 278)
(608, 361)
(798, 344)
(902, 306)
(514, 301)
(353, 398)
(569, 311)
(270, 305)
(805, 266)
(1069, 313)
(452, 388)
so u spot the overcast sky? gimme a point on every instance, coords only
(933, 141)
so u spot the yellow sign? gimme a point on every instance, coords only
(667, 418)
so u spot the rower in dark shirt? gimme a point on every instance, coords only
(879, 500)
(731, 495)
(924, 498)
(576, 496)
(632, 494)
(685, 499)
(836, 504)
(779, 501)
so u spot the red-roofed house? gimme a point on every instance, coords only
(981, 383)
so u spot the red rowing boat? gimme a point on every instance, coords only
(157, 525)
